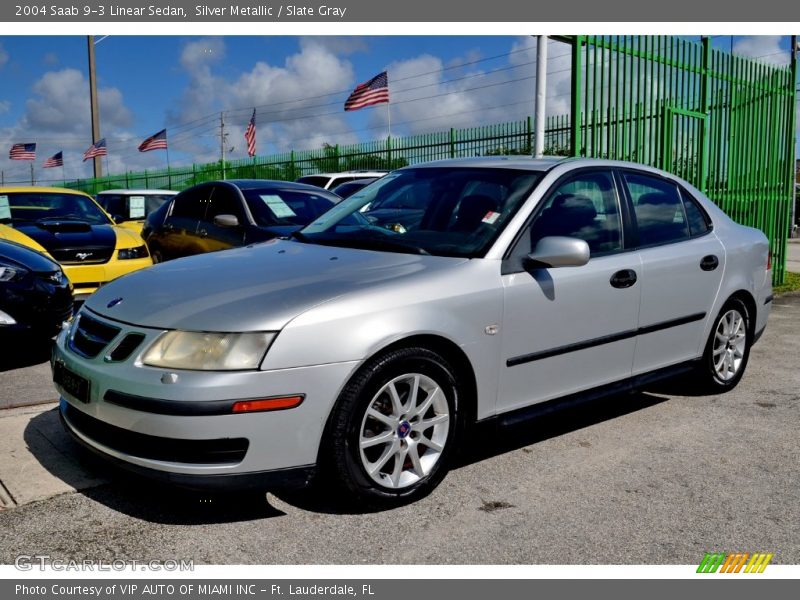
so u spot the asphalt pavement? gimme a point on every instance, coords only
(650, 478)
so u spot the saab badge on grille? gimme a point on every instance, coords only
(114, 302)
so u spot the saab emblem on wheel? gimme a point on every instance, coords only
(404, 429)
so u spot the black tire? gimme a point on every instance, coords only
(156, 255)
(707, 376)
(342, 459)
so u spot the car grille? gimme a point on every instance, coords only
(215, 451)
(86, 255)
(126, 347)
(91, 336)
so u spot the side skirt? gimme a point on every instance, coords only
(629, 385)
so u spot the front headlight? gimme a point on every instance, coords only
(9, 273)
(129, 253)
(208, 351)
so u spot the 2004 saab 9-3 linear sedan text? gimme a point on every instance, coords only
(366, 351)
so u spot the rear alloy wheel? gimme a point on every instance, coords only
(394, 427)
(727, 349)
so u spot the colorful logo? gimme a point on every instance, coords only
(734, 563)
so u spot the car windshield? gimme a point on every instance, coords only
(50, 206)
(441, 211)
(274, 207)
(316, 180)
(132, 206)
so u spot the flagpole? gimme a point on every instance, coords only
(32, 183)
(389, 117)
(169, 174)
(63, 172)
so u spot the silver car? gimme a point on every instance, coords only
(367, 350)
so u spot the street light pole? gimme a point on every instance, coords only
(98, 165)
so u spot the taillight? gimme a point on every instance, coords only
(769, 260)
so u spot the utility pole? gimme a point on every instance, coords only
(32, 181)
(98, 165)
(541, 94)
(223, 139)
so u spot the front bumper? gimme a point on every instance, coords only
(171, 446)
(87, 278)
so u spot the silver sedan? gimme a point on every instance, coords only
(369, 344)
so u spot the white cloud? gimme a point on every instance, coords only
(5, 106)
(50, 59)
(3, 56)
(282, 93)
(766, 48)
(57, 117)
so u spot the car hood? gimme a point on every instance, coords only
(257, 288)
(64, 240)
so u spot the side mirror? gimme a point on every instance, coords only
(558, 251)
(226, 221)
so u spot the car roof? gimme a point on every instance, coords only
(250, 184)
(142, 192)
(348, 174)
(20, 189)
(497, 162)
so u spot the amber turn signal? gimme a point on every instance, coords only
(266, 404)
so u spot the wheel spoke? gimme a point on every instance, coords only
(399, 460)
(719, 350)
(379, 416)
(427, 423)
(383, 438)
(412, 395)
(413, 453)
(426, 404)
(390, 451)
(397, 404)
(430, 444)
(721, 337)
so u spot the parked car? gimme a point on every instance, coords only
(35, 295)
(348, 188)
(226, 214)
(131, 207)
(328, 181)
(71, 228)
(369, 354)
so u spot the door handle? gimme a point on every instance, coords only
(709, 263)
(623, 279)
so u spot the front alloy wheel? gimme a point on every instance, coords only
(393, 428)
(404, 431)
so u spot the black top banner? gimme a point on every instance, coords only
(337, 11)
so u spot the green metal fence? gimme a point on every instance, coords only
(386, 154)
(724, 123)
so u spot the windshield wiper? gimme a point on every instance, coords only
(374, 244)
(300, 237)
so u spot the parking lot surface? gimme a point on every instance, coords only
(651, 478)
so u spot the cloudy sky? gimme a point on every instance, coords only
(296, 84)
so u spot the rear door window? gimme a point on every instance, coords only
(658, 209)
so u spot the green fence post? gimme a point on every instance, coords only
(389, 151)
(705, 83)
(291, 161)
(452, 143)
(529, 132)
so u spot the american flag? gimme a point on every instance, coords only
(57, 160)
(374, 91)
(250, 135)
(22, 152)
(96, 149)
(156, 141)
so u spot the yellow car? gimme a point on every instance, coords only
(71, 228)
